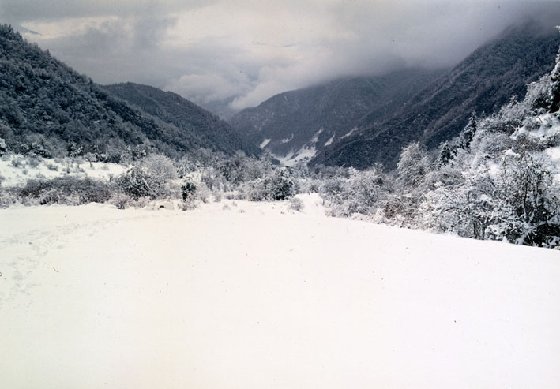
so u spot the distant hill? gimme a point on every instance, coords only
(481, 83)
(49, 109)
(302, 122)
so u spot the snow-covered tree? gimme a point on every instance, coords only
(160, 166)
(363, 192)
(446, 154)
(468, 133)
(413, 165)
(527, 201)
(277, 186)
(500, 184)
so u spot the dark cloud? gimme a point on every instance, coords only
(17, 11)
(242, 52)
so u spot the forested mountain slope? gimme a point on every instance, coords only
(482, 83)
(314, 117)
(180, 112)
(49, 109)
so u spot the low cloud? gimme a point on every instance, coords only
(243, 52)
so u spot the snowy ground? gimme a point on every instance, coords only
(251, 295)
(16, 170)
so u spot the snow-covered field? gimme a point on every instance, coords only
(252, 295)
(16, 170)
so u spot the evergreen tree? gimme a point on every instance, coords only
(468, 133)
(446, 154)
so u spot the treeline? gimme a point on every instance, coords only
(200, 176)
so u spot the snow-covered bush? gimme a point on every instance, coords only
(278, 186)
(188, 191)
(120, 200)
(66, 190)
(18, 162)
(203, 193)
(333, 189)
(403, 195)
(137, 182)
(516, 201)
(363, 192)
(152, 178)
(161, 166)
(296, 204)
(8, 198)
(33, 161)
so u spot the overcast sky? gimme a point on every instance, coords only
(245, 51)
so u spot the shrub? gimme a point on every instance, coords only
(218, 196)
(363, 192)
(279, 186)
(7, 198)
(296, 204)
(188, 191)
(203, 193)
(33, 161)
(120, 200)
(67, 190)
(332, 189)
(160, 166)
(17, 162)
(137, 182)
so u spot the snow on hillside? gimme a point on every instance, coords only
(254, 295)
(303, 155)
(264, 143)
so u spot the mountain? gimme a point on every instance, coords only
(300, 123)
(173, 109)
(49, 109)
(482, 83)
